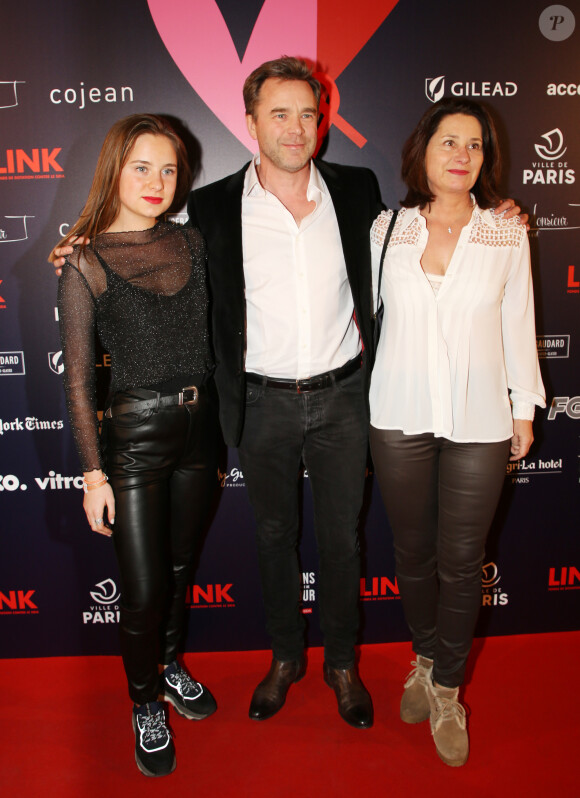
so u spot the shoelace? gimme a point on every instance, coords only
(185, 684)
(448, 709)
(153, 728)
(419, 673)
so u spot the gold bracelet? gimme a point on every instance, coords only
(87, 486)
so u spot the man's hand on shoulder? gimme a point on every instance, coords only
(58, 256)
(511, 209)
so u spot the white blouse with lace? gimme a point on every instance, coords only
(448, 362)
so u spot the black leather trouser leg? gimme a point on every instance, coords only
(440, 498)
(162, 467)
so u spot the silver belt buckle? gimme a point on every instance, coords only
(195, 395)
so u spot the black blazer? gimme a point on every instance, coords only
(217, 211)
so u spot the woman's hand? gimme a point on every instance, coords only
(95, 501)
(522, 438)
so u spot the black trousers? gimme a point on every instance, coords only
(162, 467)
(440, 497)
(328, 431)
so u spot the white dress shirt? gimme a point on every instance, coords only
(299, 305)
(448, 362)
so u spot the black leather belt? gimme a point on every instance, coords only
(186, 396)
(316, 383)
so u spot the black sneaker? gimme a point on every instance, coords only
(154, 750)
(190, 698)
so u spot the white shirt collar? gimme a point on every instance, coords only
(253, 187)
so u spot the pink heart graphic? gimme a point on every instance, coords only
(198, 40)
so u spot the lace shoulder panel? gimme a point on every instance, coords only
(504, 233)
(400, 234)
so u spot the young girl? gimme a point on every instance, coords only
(149, 479)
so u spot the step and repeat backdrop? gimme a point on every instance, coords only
(68, 70)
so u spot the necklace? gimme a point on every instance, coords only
(458, 219)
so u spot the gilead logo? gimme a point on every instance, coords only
(18, 602)
(38, 163)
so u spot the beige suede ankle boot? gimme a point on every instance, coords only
(415, 706)
(448, 725)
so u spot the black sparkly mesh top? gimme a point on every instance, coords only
(145, 293)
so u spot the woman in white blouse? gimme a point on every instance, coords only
(453, 391)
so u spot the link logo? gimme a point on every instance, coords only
(379, 588)
(18, 602)
(566, 578)
(210, 596)
(37, 164)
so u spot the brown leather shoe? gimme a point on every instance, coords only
(354, 702)
(270, 694)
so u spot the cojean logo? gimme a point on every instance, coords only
(81, 96)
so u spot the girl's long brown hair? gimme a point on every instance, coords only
(102, 205)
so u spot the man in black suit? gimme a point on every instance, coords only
(289, 270)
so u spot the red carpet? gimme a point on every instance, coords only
(66, 730)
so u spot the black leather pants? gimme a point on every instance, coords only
(440, 497)
(162, 467)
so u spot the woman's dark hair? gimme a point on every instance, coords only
(413, 172)
(103, 204)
